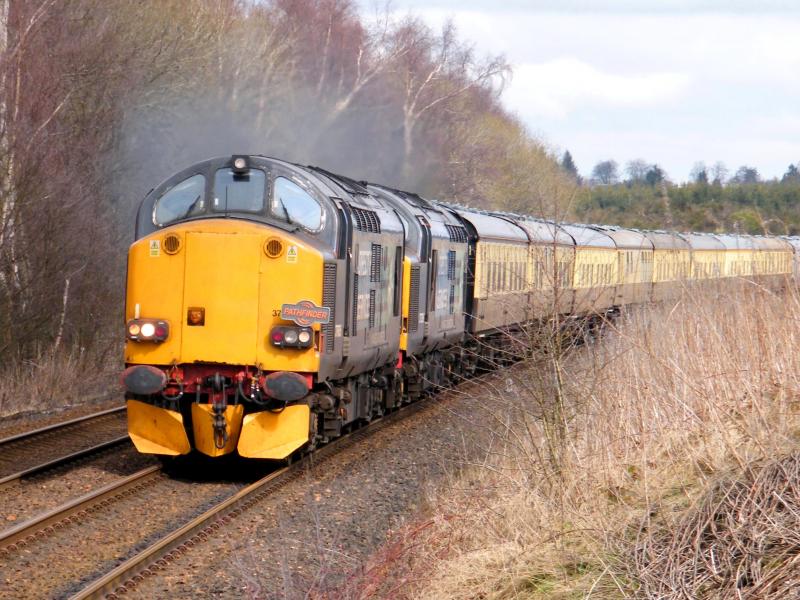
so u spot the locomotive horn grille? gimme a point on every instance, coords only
(273, 247)
(172, 243)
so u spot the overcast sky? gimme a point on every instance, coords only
(671, 81)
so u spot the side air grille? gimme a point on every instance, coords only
(451, 265)
(371, 309)
(329, 300)
(375, 264)
(457, 233)
(413, 305)
(452, 299)
(366, 220)
(354, 329)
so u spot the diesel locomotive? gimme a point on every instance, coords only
(270, 306)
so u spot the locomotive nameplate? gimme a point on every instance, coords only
(305, 313)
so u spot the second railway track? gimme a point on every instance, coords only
(31, 452)
(56, 552)
(13, 540)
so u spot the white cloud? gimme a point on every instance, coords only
(672, 82)
(555, 88)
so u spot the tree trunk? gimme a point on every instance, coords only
(408, 147)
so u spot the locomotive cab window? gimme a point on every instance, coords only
(239, 192)
(184, 200)
(293, 204)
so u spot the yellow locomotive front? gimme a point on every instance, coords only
(224, 310)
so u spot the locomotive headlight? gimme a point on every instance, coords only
(291, 337)
(239, 164)
(147, 330)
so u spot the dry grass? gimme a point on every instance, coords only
(638, 466)
(741, 540)
(58, 379)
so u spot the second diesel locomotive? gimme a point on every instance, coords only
(271, 306)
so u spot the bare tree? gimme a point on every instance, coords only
(719, 173)
(637, 170)
(435, 70)
(605, 172)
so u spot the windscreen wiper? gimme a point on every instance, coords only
(192, 206)
(286, 211)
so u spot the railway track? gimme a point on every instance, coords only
(163, 552)
(54, 553)
(35, 451)
(23, 534)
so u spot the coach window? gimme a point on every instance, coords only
(293, 204)
(183, 200)
(239, 192)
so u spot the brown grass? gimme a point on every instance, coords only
(742, 539)
(58, 379)
(637, 466)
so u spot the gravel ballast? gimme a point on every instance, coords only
(28, 421)
(77, 552)
(306, 538)
(31, 496)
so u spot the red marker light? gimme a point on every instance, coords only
(161, 331)
(277, 337)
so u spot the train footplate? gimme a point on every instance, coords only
(274, 435)
(203, 421)
(155, 430)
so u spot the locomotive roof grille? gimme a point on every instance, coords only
(457, 233)
(366, 220)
